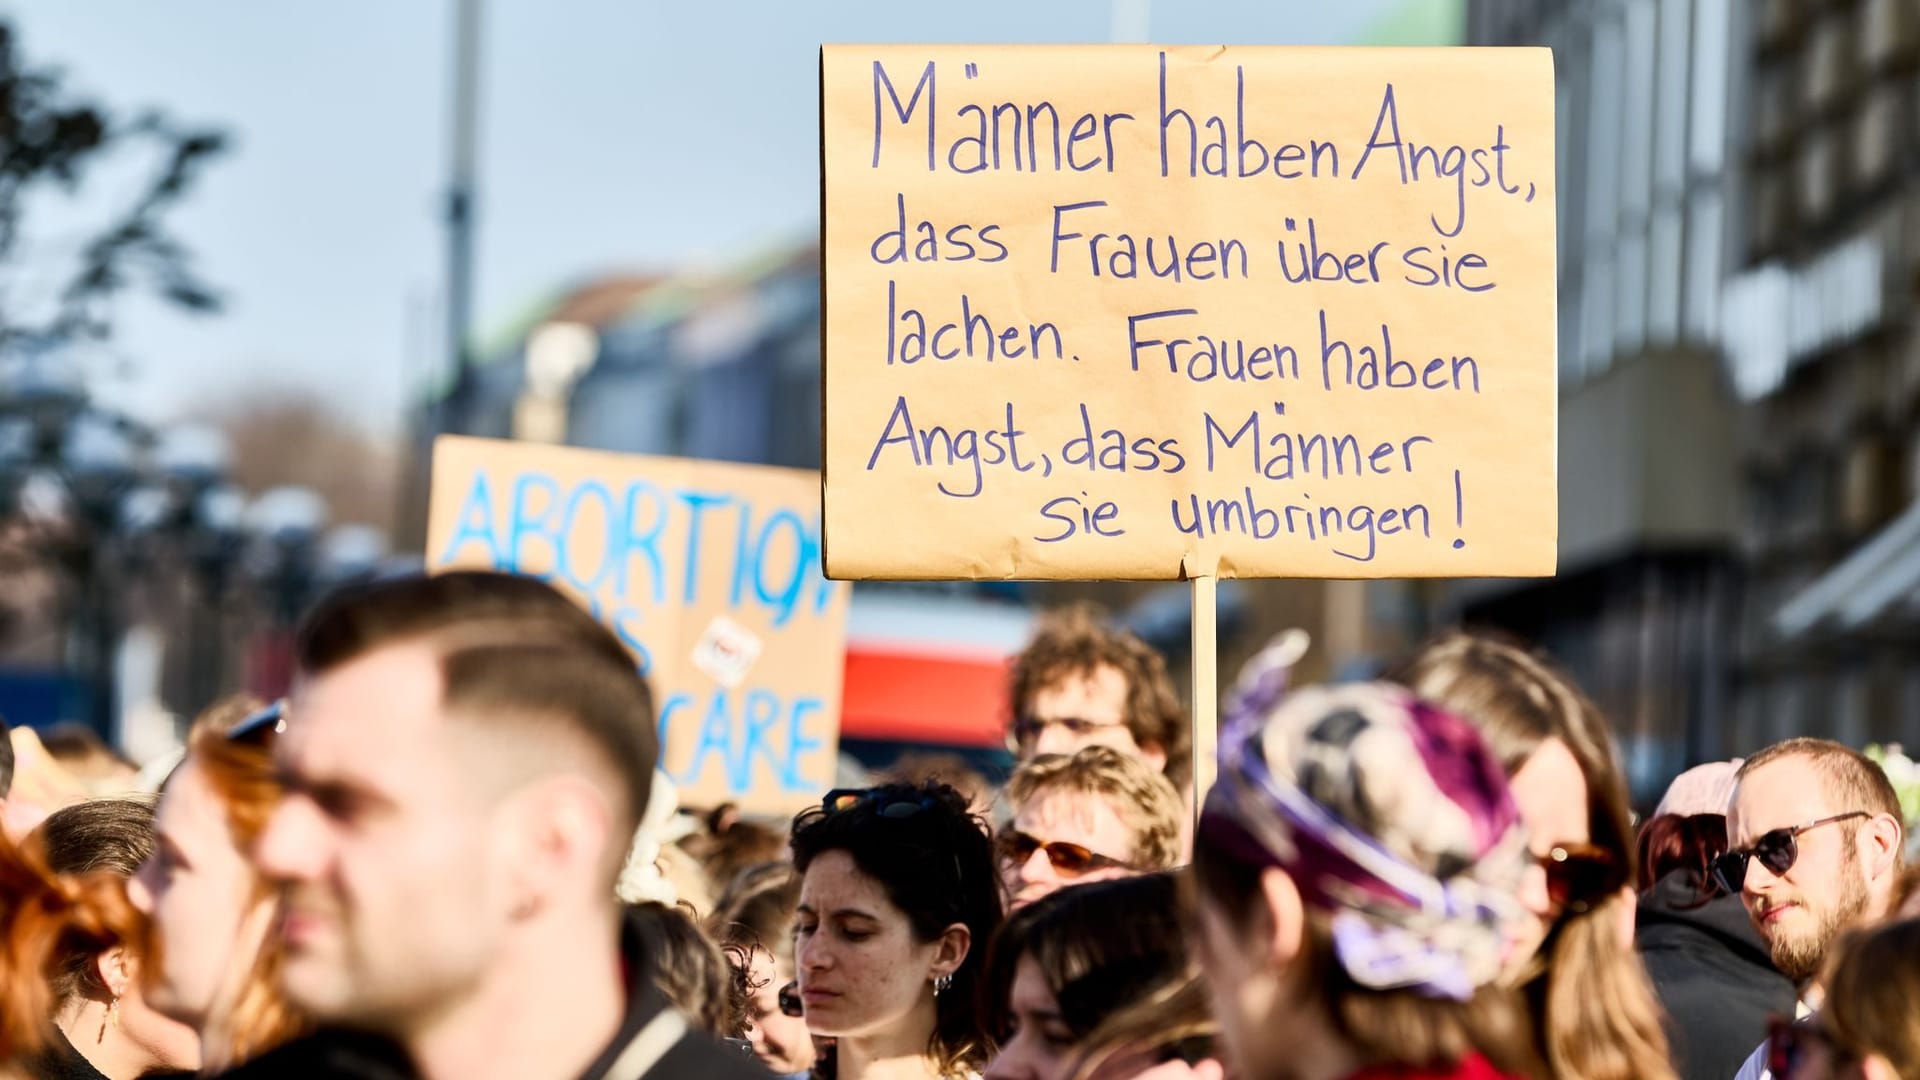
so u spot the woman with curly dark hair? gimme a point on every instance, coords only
(898, 898)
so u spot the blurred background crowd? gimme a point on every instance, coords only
(253, 262)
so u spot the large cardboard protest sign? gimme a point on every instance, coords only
(1139, 312)
(709, 573)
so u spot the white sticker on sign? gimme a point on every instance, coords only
(726, 651)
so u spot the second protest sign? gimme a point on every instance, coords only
(708, 572)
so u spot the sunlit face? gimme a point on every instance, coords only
(1800, 911)
(204, 900)
(862, 971)
(1551, 793)
(395, 893)
(1074, 817)
(781, 1042)
(1097, 702)
(1040, 1045)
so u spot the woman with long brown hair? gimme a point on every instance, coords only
(216, 963)
(1594, 1011)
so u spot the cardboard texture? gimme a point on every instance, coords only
(709, 572)
(1141, 312)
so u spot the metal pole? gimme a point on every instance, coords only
(468, 15)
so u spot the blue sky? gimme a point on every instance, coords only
(616, 135)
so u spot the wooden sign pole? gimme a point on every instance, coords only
(1206, 694)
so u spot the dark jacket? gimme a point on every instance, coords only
(1712, 973)
(654, 1043)
(649, 1024)
(59, 1061)
(329, 1055)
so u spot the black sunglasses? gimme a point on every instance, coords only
(883, 803)
(260, 725)
(1776, 851)
(790, 1003)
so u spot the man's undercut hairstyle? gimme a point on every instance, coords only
(1851, 780)
(513, 651)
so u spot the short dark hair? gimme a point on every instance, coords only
(512, 650)
(6, 759)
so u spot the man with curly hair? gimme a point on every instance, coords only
(1083, 682)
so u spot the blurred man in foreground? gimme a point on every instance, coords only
(468, 757)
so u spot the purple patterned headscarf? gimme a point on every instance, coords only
(1388, 814)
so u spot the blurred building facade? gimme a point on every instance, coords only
(1824, 354)
(1646, 608)
(1740, 437)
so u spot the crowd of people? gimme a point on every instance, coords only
(450, 854)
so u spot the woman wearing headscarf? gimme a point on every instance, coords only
(1356, 869)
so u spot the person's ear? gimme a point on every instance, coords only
(1880, 841)
(114, 970)
(1286, 916)
(561, 828)
(1154, 755)
(951, 950)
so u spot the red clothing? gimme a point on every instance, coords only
(1473, 1067)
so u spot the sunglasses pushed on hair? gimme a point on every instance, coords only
(1776, 850)
(882, 802)
(1071, 860)
(260, 725)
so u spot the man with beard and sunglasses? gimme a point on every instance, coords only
(1814, 840)
(466, 762)
(1092, 816)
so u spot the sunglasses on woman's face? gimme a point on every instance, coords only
(1070, 860)
(1777, 850)
(1579, 876)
